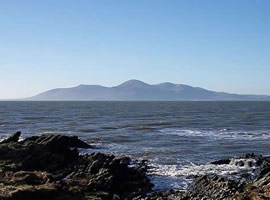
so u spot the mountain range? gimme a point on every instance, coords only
(135, 90)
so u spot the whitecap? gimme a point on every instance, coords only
(218, 134)
(180, 177)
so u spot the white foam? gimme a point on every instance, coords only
(218, 134)
(180, 177)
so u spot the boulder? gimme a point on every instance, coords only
(13, 138)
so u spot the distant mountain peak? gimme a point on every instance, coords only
(81, 85)
(133, 83)
(166, 83)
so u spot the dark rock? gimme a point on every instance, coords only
(221, 162)
(13, 138)
(215, 187)
(240, 163)
(50, 167)
(57, 142)
(108, 173)
(31, 178)
(264, 169)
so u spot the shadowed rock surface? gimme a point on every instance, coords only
(13, 138)
(46, 167)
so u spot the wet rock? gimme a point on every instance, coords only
(214, 187)
(13, 138)
(264, 169)
(221, 162)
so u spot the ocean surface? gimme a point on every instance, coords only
(179, 139)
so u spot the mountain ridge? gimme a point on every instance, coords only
(136, 90)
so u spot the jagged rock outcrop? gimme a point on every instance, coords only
(13, 138)
(50, 167)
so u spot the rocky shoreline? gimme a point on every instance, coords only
(50, 167)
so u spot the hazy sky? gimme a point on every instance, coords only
(220, 45)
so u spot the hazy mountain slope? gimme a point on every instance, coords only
(134, 90)
(81, 92)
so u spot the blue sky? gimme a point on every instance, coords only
(219, 45)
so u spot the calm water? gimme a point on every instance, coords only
(176, 137)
